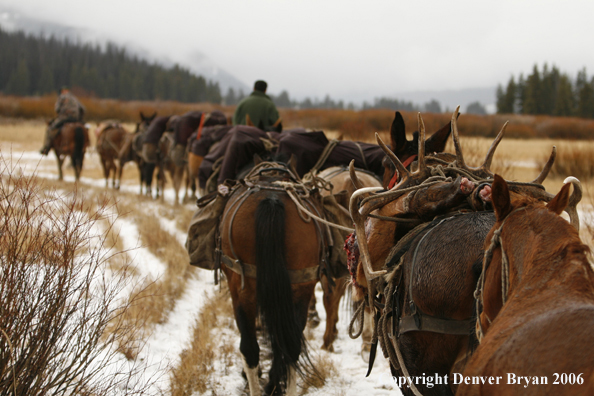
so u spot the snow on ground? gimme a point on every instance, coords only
(164, 346)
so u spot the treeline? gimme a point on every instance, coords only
(34, 65)
(283, 100)
(548, 92)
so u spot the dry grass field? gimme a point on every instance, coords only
(151, 234)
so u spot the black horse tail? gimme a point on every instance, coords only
(79, 146)
(275, 298)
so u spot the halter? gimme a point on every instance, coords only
(496, 241)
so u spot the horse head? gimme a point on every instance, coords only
(524, 224)
(407, 150)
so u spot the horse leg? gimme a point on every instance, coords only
(119, 168)
(60, 161)
(312, 313)
(331, 305)
(366, 335)
(178, 175)
(113, 170)
(105, 170)
(249, 348)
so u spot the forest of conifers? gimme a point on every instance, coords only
(32, 65)
(548, 92)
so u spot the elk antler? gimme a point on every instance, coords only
(489, 157)
(576, 197)
(547, 168)
(484, 170)
(421, 156)
(359, 220)
(400, 168)
(456, 138)
(353, 175)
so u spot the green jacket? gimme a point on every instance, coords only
(261, 109)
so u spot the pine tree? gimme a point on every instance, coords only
(19, 81)
(532, 103)
(564, 103)
(584, 95)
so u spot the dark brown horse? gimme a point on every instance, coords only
(270, 256)
(538, 299)
(132, 147)
(72, 141)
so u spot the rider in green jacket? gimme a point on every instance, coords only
(258, 110)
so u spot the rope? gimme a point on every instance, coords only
(324, 156)
(289, 188)
(359, 314)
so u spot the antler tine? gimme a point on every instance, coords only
(455, 136)
(547, 168)
(359, 220)
(576, 197)
(356, 182)
(399, 166)
(489, 157)
(421, 157)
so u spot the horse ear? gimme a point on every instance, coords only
(500, 198)
(398, 134)
(437, 142)
(257, 159)
(559, 203)
(142, 117)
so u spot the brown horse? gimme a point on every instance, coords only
(270, 255)
(72, 141)
(340, 181)
(111, 138)
(538, 299)
(433, 267)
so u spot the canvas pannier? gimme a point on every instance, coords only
(203, 231)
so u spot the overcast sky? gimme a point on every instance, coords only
(347, 48)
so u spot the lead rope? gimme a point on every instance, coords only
(290, 189)
(496, 240)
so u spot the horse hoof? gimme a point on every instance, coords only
(365, 351)
(328, 348)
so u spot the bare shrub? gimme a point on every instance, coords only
(325, 369)
(57, 296)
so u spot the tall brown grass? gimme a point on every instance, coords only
(573, 160)
(354, 125)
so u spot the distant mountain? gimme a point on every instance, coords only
(199, 63)
(196, 62)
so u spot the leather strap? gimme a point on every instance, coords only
(435, 325)
(304, 275)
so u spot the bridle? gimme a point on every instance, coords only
(496, 241)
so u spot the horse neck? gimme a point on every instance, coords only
(544, 251)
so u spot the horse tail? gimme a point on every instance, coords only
(275, 297)
(79, 146)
